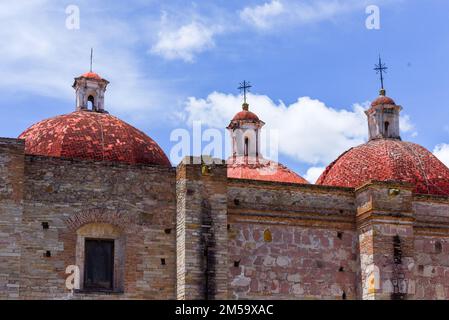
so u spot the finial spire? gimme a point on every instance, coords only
(91, 58)
(245, 86)
(380, 69)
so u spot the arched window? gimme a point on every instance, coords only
(246, 151)
(386, 125)
(91, 102)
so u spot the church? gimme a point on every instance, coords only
(92, 208)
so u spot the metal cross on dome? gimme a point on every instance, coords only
(245, 86)
(381, 68)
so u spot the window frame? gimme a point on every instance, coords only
(112, 262)
(102, 231)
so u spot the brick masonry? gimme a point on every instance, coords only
(192, 233)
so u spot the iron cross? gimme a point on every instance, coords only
(245, 85)
(381, 68)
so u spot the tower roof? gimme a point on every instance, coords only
(91, 75)
(383, 100)
(245, 115)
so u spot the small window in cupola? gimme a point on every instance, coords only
(246, 147)
(386, 126)
(91, 102)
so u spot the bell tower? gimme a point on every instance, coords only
(245, 130)
(90, 89)
(383, 116)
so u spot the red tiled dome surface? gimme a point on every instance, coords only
(388, 159)
(92, 135)
(245, 115)
(91, 75)
(383, 100)
(263, 169)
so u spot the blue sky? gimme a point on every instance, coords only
(174, 62)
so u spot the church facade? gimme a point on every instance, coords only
(91, 208)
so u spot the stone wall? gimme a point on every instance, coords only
(11, 210)
(384, 221)
(290, 241)
(431, 247)
(193, 233)
(137, 200)
(432, 267)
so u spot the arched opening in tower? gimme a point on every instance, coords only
(91, 103)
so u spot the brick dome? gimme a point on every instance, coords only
(261, 169)
(389, 159)
(92, 135)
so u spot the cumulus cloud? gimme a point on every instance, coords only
(308, 130)
(441, 151)
(281, 12)
(185, 42)
(184, 37)
(313, 173)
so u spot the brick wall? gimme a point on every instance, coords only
(11, 210)
(138, 200)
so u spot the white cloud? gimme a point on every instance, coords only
(407, 126)
(185, 41)
(313, 173)
(282, 12)
(260, 15)
(441, 151)
(309, 131)
(42, 56)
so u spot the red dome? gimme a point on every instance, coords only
(388, 159)
(92, 135)
(382, 100)
(91, 75)
(262, 169)
(245, 115)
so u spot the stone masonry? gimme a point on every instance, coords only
(193, 233)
